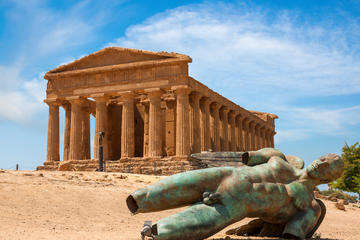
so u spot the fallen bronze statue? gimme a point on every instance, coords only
(270, 186)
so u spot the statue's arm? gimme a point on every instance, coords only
(303, 222)
(263, 156)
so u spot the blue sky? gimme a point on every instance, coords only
(297, 59)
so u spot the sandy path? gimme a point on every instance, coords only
(90, 205)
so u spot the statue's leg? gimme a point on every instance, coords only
(177, 190)
(199, 221)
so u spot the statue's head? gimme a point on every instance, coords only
(326, 168)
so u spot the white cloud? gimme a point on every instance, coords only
(243, 48)
(41, 32)
(263, 62)
(299, 123)
(21, 99)
(9, 77)
(45, 30)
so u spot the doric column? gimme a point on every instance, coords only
(240, 133)
(182, 121)
(257, 136)
(224, 111)
(262, 137)
(216, 128)
(269, 137)
(205, 124)
(127, 125)
(272, 138)
(232, 131)
(246, 134)
(76, 145)
(67, 108)
(252, 135)
(155, 133)
(101, 123)
(266, 143)
(52, 153)
(85, 125)
(146, 129)
(195, 141)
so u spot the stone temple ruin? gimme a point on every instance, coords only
(153, 113)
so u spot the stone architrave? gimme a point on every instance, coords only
(155, 117)
(224, 111)
(205, 124)
(216, 128)
(233, 131)
(76, 145)
(182, 120)
(53, 138)
(195, 132)
(67, 108)
(127, 124)
(101, 122)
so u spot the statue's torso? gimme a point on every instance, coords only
(276, 170)
(268, 193)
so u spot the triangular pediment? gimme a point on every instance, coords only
(117, 56)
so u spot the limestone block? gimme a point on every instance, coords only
(66, 166)
(340, 205)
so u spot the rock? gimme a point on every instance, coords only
(318, 195)
(340, 205)
(137, 170)
(333, 199)
(65, 166)
(346, 202)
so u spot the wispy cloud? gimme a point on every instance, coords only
(263, 61)
(243, 47)
(46, 30)
(21, 99)
(298, 123)
(40, 32)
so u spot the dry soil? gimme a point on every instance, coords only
(91, 205)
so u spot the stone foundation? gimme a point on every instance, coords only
(152, 166)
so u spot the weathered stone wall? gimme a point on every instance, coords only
(154, 166)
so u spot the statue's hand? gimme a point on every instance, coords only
(211, 198)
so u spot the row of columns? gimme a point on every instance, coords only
(224, 129)
(201, 124)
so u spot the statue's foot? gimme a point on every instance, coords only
(211, 198)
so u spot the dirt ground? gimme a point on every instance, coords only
(91, 205)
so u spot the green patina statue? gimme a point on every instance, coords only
(269, 186)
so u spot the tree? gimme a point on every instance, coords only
(350, 180)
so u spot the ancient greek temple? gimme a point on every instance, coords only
(152, 112)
